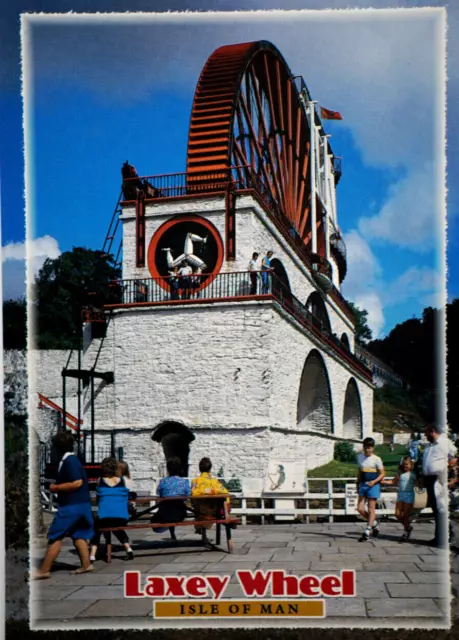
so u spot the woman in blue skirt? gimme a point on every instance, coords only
(74, 516)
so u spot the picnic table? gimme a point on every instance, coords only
(139, 520)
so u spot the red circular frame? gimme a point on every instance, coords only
(165, 227)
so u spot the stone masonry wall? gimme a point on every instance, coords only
(254, 232)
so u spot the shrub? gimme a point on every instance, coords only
(344, 452)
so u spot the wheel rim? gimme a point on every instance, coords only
(247, 113)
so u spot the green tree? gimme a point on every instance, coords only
(76, 279)
(411, 350)
(362, 330)
(14, 324)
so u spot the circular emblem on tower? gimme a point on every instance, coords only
(186, 242)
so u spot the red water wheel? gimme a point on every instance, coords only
(247, 113)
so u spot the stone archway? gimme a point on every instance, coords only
(352, 414)
(175, 439)
(315, 410)
(316, 306)
(281, 284)
(345, 342)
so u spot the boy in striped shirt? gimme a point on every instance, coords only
(371, 472)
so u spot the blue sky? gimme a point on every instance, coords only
(104, 93)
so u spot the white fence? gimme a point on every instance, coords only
(337, 495)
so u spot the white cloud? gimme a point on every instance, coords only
(407, 218)
(418, 283)
(363, 279)
(367, 288)
(14, 263)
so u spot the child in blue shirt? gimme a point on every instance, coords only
(112, 501)
(406, 480)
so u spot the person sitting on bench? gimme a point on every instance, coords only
(202, 486)
(112, 500)
(169, 487)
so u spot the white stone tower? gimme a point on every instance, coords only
(210, 360)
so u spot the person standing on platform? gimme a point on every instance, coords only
(253, 270)
(266, 271)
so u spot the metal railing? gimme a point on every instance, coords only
(173, 185)
(232, 286)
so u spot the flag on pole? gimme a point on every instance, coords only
(327, 114)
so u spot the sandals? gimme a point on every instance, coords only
(80, 570)
(406, 536)
(40, 576)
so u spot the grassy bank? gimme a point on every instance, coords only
(337, 469)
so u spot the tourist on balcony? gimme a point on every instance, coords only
(253, 270)
(174, 283)
(74, 516)
(266, 270)
(185, 274)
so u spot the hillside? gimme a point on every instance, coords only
(394, 411)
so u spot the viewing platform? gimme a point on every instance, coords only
(232, 287)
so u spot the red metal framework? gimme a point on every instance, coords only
(247, 112)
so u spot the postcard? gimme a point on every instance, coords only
(229, 216)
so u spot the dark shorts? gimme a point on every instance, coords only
(73, 520)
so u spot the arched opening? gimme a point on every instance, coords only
(314, 400)
(352, 415)
(316, 306)
(281, 284)
(175, 440)
(345, 342)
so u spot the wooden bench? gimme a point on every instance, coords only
(135, 521)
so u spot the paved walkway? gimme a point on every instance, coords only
(397, 584)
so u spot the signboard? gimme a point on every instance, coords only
(351, 495)
(285, 476)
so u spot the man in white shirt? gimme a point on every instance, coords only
(435, 478)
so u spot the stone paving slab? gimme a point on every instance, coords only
(387, 559)
(393, 566)
(349, 607)
(54, 592)
(336, 565)
(97, 593)
(61, 609)
(403, 608)
(63, 578)
(419, 590)
(425, 577)
(124, 607)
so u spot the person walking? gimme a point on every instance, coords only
(74, 516)
(371, 473)
(435, 479)
(253, 270)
